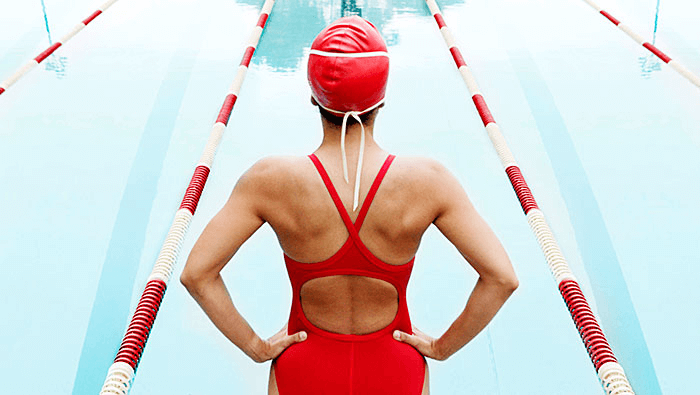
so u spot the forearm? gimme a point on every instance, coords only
(216, 302)
(486, 299)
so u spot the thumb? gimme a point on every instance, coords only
(404, 337)
(295, 338)
(422, 345)
(288, 341)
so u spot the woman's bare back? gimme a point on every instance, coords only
(288, 193)
(310, 229)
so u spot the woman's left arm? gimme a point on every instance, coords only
(239, 218)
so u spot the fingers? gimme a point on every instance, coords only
(291, 339)
(286, 341)
(413, 340)
(279, 335)
(417, 331)
(419, 341)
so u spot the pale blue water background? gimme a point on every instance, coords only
(97, 146)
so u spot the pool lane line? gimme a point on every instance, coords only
(111, 305)
(682, 70)
(616, 309)
(122, 372)
(53, 47)
(610, 372)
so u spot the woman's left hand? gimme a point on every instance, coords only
(271, 348)
(425, 344)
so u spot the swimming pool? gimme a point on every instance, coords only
(99, 143)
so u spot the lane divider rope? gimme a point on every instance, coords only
(27, 67)
(609, 371)
(122, 371)
(682, 70)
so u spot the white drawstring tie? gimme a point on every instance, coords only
(358, 174)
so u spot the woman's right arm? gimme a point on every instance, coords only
(458, 220)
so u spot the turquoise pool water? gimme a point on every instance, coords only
(97, 146)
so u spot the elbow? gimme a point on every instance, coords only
(195, 281)
(508, 280)
(506, 284)
(186, 279)
(511, 284)
(189, 280)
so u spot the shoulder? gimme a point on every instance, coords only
(273, 172)
(427, 179)
(421, 169)
(271, 166)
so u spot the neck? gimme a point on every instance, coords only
(331, 138)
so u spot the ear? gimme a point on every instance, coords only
(313, 101)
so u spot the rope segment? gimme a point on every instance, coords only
(27, 67)
(682, 70)
(609, 371)
(122, 371)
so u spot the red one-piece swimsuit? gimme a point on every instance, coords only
(329, 363)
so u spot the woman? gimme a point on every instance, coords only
(349, 331)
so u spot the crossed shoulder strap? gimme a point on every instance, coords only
(353, 228)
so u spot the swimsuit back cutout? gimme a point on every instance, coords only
(353, 258)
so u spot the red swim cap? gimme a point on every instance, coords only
(348, 66)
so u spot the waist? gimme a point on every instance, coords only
(299, 322)
(382, 365)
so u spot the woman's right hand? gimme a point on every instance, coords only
(426, 345)
(266, 350)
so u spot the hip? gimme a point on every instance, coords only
(321, 365)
